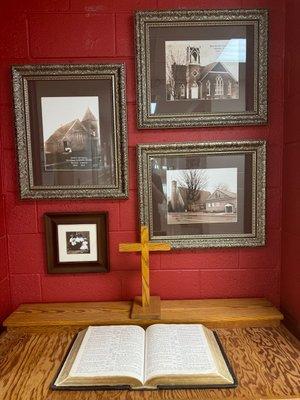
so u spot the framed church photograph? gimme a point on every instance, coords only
(76, 243)
(209, 194)
(71, 130)
(201, 67)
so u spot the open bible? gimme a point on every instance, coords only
(162, 356)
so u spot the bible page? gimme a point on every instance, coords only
(177, 350)
(111, 351)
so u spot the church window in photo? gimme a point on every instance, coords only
(219, 89)
(195, 55)
(182, 90)
(208, 88)
(194, 91)
(229, 88)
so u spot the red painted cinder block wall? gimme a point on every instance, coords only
(83, 31)
(290, 276)
(5, 303)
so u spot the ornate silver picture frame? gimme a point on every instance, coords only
(201, 68)
(71, 130)
(209, 194)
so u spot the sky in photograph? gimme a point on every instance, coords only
(229, 52)
(216, 176)
(57, 111)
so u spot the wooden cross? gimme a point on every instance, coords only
(144, 247)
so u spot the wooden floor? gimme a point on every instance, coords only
(266, 360)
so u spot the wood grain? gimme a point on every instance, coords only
(139, 311)
(145, 267)
(266, 362)
(144, 247)
(213, 313)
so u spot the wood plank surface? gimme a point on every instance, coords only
(145, 247)
(139, 311)
(213, 313)
(266, 362)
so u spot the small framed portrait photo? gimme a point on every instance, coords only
(76, 242)
(201, 67)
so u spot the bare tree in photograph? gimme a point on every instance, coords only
(173, 57)
(222, 186)
(194, 180)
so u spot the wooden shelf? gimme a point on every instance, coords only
(214, 313)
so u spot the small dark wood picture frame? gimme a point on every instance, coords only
(76, 243)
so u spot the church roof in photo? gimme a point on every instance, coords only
(205, 70)
(224, 194)
(89, 116)
(179, 71)
(70, 127)
(204, 194)
(216, 67)
(61, 132)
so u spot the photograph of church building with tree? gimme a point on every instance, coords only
(202, 196)
(195, 70)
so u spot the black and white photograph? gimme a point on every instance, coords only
(78, 242)
(71, 131)
(202, 196)
(204, 69)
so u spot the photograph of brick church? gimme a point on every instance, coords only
(202, 196)
(71, 133)
(201, 70)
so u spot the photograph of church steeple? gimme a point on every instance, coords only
(201, 70)
(72, 138)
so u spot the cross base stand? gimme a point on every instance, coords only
(153, 311)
